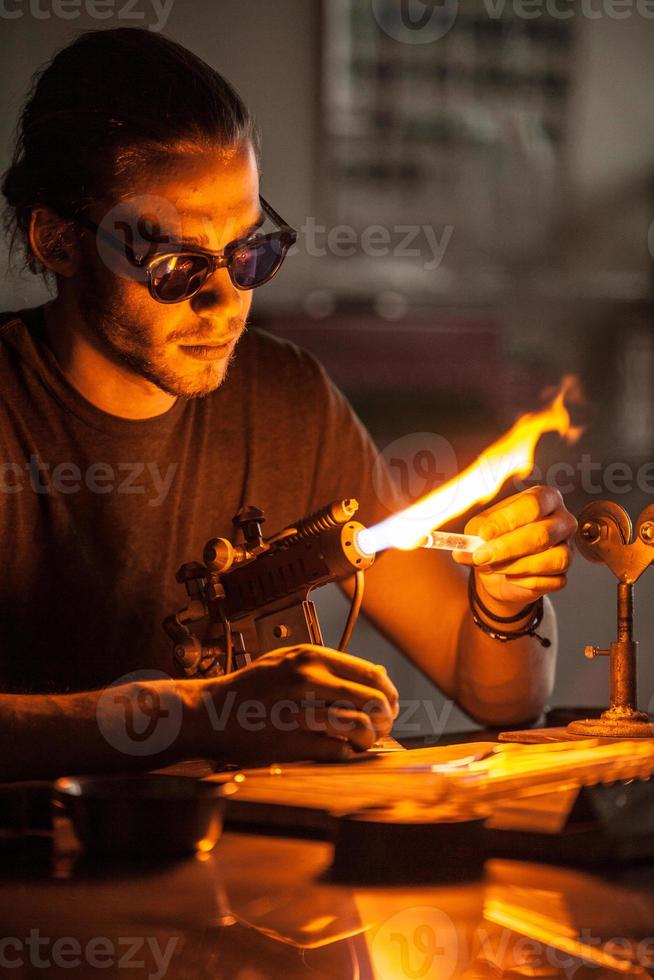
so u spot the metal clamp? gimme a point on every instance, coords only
(604, 536)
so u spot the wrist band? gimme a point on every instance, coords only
(475, 599)
(477, 607)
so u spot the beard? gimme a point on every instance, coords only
(127, 340)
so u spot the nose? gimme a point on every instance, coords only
(219, 294)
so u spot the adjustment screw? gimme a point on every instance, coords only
(281, 632)
(593, 651)
(591, 531)
(647, 532)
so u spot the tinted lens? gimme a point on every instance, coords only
(256, 263)
(178, 276)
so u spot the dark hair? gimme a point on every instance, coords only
(109, 104)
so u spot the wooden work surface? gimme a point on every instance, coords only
(470, 781)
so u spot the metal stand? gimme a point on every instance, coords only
(604, 537)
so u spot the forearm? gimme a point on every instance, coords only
(45, 736)
(505, 683)
(526, 556)
(419, 601)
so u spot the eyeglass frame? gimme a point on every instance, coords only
(221, 259)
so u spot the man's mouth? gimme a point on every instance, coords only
(208, 352)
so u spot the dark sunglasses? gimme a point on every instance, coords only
(179, 271)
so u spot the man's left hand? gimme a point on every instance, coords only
(528, 551)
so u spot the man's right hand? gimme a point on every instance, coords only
(300, 702)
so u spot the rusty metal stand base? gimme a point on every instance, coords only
(638, 726)
(614, 723)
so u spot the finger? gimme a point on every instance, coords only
(523, 508)
(540, 584)
(314, 746)
(351, 668)
(554, 561)
(355, 726)
(485, 516)
(525, 541)
(320, 688)
(308, 680)
(362, 671)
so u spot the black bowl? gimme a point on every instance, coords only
(142, 815)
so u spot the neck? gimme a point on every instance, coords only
(101, 380)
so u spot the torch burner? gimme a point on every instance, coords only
(252, 597)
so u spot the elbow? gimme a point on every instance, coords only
(507, 714)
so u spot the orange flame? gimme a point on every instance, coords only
(512, 455)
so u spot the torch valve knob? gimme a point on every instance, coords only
(249, 519)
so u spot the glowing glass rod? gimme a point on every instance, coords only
(444, 541)
(435, 540)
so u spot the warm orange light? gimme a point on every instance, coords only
(552, 931)
(511, 455)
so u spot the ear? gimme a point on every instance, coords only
(54, 242)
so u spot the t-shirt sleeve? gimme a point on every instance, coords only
(347, 461)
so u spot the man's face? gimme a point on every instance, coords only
(183, 348)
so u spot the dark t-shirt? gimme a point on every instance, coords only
(97, 512)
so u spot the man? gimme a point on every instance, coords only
(126, 443)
